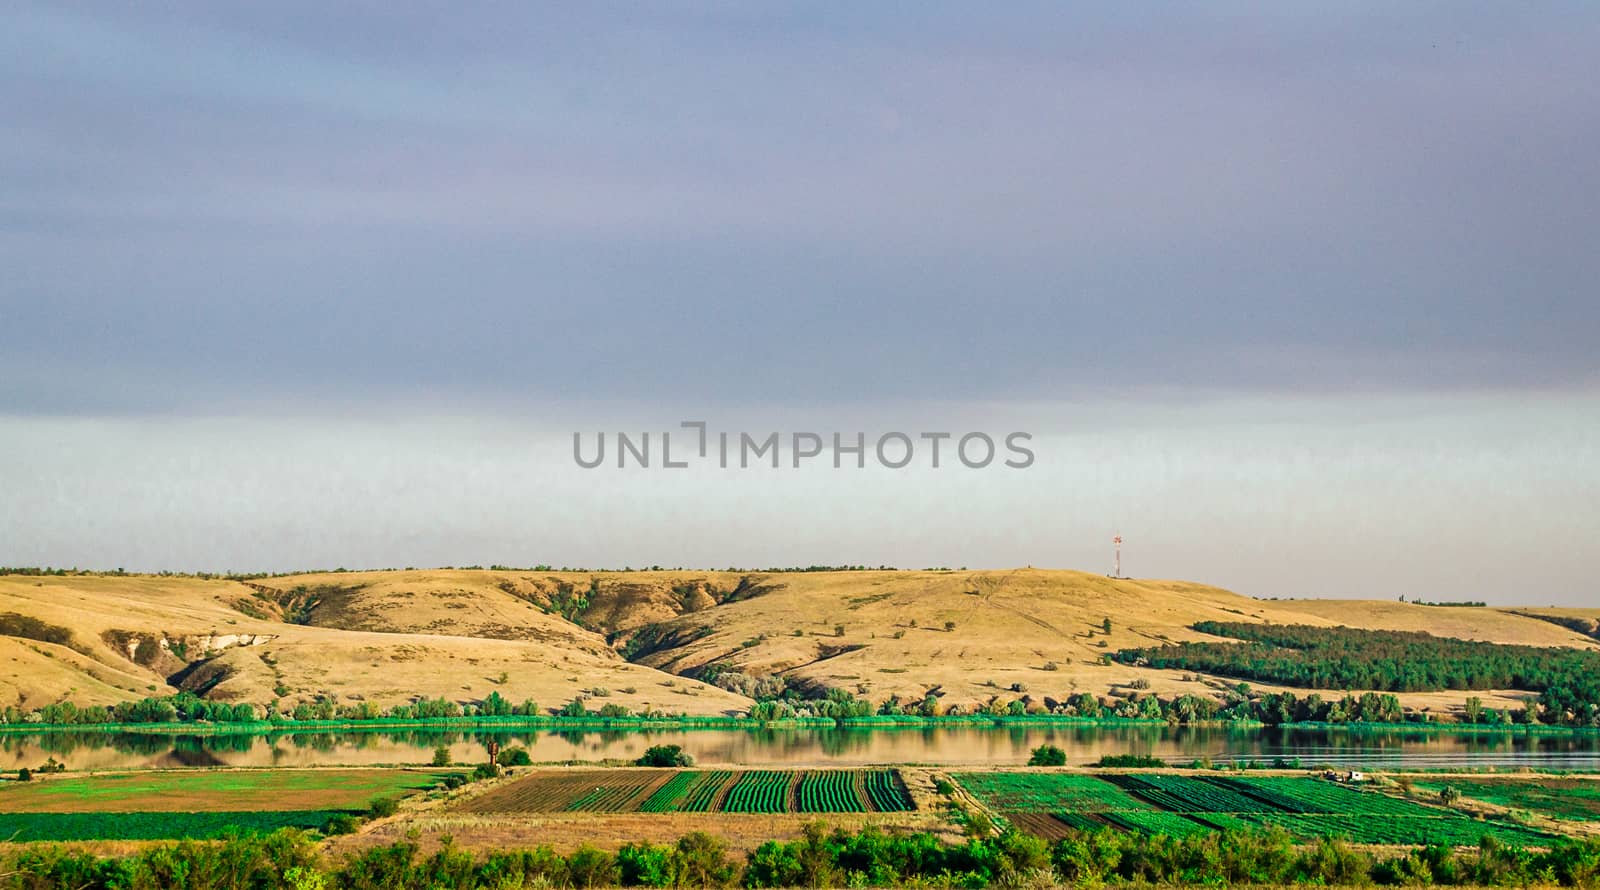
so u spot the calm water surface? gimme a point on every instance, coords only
(955, 745)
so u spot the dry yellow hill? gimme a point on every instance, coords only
(976, 635)
(1583, 621)
(389, 637)
(137, 636)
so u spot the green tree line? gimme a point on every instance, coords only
(1567, 680)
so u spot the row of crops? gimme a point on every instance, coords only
(699, 791)
(830, 792)
(1181, 805)
(887, 792)
(759, 792)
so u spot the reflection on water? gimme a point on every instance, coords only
(953, 745)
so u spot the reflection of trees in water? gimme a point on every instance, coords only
(140, 743)
(316, 741)
(423, 738)
(505, 737)
(835, 742)
(67, 742)
(755, 745)
(197, 756)
(238, 744)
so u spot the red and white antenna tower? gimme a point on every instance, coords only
(1116, 543)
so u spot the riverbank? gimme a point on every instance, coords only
(492, 724)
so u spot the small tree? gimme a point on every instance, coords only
(1048, 755)
(441, 755)
(701, 860)
(1449, 795)
(24, 775)
(1106, 625)
(516, 755)
(949, 626)
(383, 807)
(574, 708)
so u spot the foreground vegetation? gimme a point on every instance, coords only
(820, 858)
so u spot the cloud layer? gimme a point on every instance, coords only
(204, 204)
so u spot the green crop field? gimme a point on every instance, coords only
(625, 796)
(759, 791)
(1185, 794)
(669, 797)
(697, 791)
(1306, 795)
(1048, 793)
(1456, 831)
(153, 825)
(887, 792)
(1572, 799)
(1156, 822)
(831, 791)
(1080, 821)
(1179, 805)
(705, 793)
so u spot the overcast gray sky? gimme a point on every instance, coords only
(1253, 274)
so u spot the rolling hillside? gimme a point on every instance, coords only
(636, 638)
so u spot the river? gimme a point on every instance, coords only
(941, 745)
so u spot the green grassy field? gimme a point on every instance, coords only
(211, 790)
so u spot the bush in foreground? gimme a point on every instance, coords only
(820, 857)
